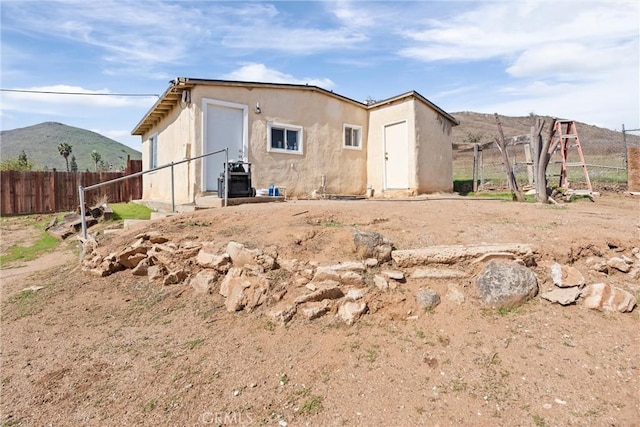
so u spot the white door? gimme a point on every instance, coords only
(396, 156)
(224, 126)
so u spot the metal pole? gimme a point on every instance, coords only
(226, 177)
(624, 141)
(173, 196)
(82, 212)
(475, 168)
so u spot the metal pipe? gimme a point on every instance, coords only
(226, 177)
(82, 189)
(173, 195)
(82, 212)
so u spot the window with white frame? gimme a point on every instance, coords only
(283, 138)
(352, 136)
(153, 151)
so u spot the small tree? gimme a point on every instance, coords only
(65, 150)
(96, 157)
(22, 164)
(74, 164)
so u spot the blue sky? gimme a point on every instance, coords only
(576, 60)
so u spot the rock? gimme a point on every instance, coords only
(130, 257)
(311, 287)
(634, 273)
(237, 298)
(565, 276)
(156, 272)
(162, 253)
(204, 282)
(152, 236)
(454, 253)
(348, 266)
(506, 285)
(175, 277)
(277, 296)
(284, 315)
(370, 244)
(326, 290)
(208, 258)
(291, 265)
(371, 262)
(427, 298)
(619, 264)
(351, 278)
(437, 273)
(355, 294)
(241, 256)
(597, 264)
(316, 310)
(233, 273)
(603, 297)
(394, 274)
(563, 296)
(142, 269)
(492, 256)
(454, 294)
(301, 281)
(325, 273)
(350, 311)
(307, 273)
(380, 282)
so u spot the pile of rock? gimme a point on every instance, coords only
(248, 279)
(570, 285)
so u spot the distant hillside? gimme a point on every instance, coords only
(40, 143)
(478, 127)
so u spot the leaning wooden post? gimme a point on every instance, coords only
(511, 178)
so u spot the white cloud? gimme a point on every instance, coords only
(255, 72)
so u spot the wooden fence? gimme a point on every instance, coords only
(44, 192)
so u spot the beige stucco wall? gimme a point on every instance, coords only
(435, 153)
(387, 114)
(322, 118)
(346, 171)
(175, 132)
(429, 167)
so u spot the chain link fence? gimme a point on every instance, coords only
(606, 161)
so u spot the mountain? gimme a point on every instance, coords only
(40, 144)
(478, 127)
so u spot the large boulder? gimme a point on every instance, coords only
(506, 285)
(370, 244)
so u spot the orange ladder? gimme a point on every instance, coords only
(565, 135)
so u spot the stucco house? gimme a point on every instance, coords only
(301, 137)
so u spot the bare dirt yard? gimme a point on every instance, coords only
(126, 350)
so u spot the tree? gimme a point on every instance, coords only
(74, 164)
(96, 157)
(22, 159)
(22, 164)
(65, 150)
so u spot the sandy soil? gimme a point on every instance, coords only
(120, 351)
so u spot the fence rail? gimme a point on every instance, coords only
(45, 192)
(606, 163)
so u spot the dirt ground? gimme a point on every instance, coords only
(120, 350)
